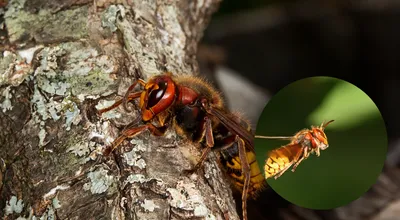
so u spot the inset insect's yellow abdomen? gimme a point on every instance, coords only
(276, 162)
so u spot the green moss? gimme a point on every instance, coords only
(95, 82)
(74, 69)
(45, 26)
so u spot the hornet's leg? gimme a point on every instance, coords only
(245, 172)
(119, 102)
(279, 174)
(295, 159)
(317, 152)
(126, 98)
(305, 155)
(245, 165)
(209, 138)
(132, 132)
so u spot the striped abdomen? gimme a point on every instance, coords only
(281, 159)
(231, 161)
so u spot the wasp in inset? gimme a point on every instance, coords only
(301, 145)
(196, 111)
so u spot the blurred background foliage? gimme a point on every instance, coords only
(254, 48)
(357, 139)
(345, 102)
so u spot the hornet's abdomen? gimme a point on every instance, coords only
(231, 162)
(281, 158)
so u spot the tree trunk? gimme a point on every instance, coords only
(63, 59)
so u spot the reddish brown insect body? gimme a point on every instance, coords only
(302, 144)
(196, 111)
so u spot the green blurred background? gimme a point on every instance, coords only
(357, 141)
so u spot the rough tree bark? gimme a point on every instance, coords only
(62, 59)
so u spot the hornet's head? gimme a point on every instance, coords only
(320, 136)
(157, 96)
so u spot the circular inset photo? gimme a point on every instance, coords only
(321, 142)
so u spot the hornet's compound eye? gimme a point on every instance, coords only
(320, 135)
(156, 94)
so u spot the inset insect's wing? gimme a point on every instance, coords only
(279, 160)
(233, 126)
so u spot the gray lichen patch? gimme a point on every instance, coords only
(80, 149)
(110, 114)
(133, 157)
(57, 88)
(40, 103)
(186, 197)
(72, 115)
(42, 135)
(13, 206)
(149, 205)
(56, 203)
(40, 115)
(109, 17)
(13, 69)
(100, 182)
(6, 104)
(53, 110)
(136, 178)
(140, 178)
(45, 26)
